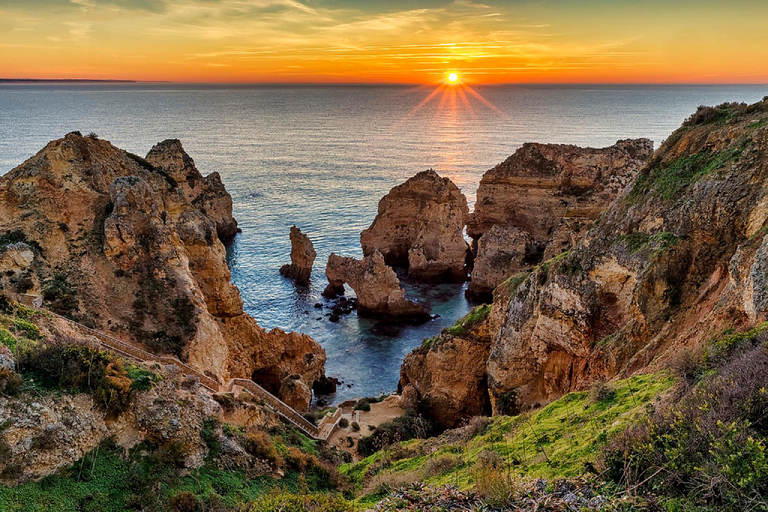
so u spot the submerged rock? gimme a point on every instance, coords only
(419, 226)
(302, 257)
(376, 286)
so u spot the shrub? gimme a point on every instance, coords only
(343, 423)
(601, 393)
(441, 464)
(92, 136)
(260, 445)
(10, 382)
(710, 446)
(69, 364)
(497, 488)
(355, 426)
(183, 502)
(403, 428)
(285, 502)
(60, 295)
(363, 405)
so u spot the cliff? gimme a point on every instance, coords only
(676, 259)
(419, 226)
(131, 247)
(544, 195)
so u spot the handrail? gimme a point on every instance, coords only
(284, 410)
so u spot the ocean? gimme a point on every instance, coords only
(321, 157)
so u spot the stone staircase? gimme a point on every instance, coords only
(235, 386)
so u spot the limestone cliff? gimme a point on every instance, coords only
(549, 192)
(420, 226)
(676, 259)
(376, 286)
(132, 248)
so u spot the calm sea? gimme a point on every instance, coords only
(321, 157)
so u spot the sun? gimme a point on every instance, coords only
(453, 78)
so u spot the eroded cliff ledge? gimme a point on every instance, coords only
(131, 246)
(419, 226)
(544, 196)
(680, 256)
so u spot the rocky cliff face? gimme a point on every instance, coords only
(132, 248)
(205, 192)
(419, 226)
(676, 259)
(549, 192)
(302, 257)
(376, 286)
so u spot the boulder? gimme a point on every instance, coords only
(419, 226)
(376, 286)
(295, 393)
(302, 257)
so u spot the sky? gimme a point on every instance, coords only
(421, 41)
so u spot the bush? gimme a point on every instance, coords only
(441, 464)
(10, 382)
(497, 487)
(343, 423)
(60, 295)
(601, 393)
(285, 502)
(355, 426)
(183, 502)
(260, 445)
(69, 364)
(711, 446)
(403, 428)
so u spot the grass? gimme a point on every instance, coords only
(658, 242)
(559, 441)
(669, 180)
(469, 321)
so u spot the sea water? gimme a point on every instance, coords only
(321, 157)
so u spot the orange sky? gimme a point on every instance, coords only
(486, 41)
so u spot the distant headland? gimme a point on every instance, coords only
(60, 80)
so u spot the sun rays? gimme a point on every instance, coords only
(453, 95)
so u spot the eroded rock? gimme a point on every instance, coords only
(420, 226)
(376, 286)
(302, 257)
(552, 192)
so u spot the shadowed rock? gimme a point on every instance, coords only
(302, 257)
(419, 226)
(376, 286)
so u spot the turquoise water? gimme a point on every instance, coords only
(321, 157)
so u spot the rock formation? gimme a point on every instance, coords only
(207, 193)
(551, 192)
(676, 259)
(376, 286)
(132, 248)
(445, 378)
(420, 227)
(302, 257)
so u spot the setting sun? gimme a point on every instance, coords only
(453, 78)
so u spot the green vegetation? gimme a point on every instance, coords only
(656, 243)
(60, 295)
(561, 440)
(149, 478)
(511, 285)
(670, 179)
(469, 321)
(73, 366)
(708, 450)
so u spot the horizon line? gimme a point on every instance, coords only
(363, 83)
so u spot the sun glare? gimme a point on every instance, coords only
(453, 78)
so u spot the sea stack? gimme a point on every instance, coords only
(376, 286)
(302, 258)
(419, 226)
